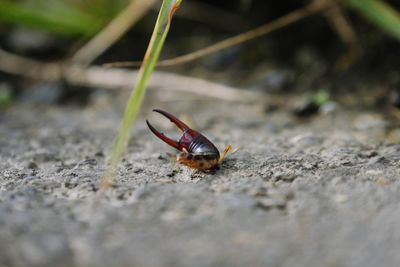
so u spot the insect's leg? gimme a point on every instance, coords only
(226, 151)
(182, 156)
(177, 157)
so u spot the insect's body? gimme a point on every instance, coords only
(196, 150)
(201, 153)
(198, 161)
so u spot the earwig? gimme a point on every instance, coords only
(196, 150)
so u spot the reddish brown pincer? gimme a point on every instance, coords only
(196, 150)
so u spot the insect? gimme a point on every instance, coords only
(196, 150)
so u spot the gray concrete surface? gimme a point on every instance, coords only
(318, 192)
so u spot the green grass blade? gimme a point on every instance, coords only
(157, 40)
(379, 13)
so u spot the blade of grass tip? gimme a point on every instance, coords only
(379, 13)
(157, 40)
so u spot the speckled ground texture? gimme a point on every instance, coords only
(322, 191)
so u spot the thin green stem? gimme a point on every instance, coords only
(157, 40)
(380, 13)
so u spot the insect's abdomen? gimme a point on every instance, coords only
(201, 145)
(198, 161)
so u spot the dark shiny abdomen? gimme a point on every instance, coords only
(201, 145)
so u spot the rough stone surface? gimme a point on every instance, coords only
(323, 191)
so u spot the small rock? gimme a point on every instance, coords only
(368, 154)
(285, 176)
(32, 165)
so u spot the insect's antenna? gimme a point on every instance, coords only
(226, 151)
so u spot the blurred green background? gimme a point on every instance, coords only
(302, 56)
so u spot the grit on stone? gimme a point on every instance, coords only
(317, 192)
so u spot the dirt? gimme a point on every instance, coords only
(320, 191)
